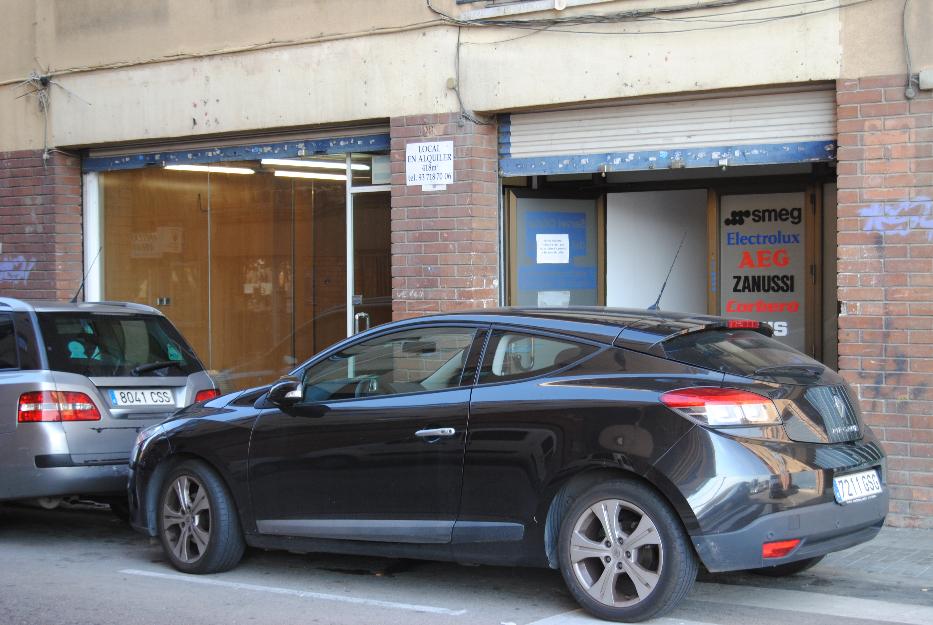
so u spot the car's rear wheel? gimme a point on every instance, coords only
(623, 552)
(791, 568)
(197, 520)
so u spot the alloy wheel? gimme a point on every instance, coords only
(186, 519)
(616, 553)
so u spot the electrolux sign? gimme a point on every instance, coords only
(763, 260)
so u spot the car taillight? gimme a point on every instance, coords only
(38, 406)
(779, 548)
(743, 324)
(719, 407)
(206, 394)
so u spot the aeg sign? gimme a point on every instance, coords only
(763, 262)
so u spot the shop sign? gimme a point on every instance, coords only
(763, 261)
(430, 165)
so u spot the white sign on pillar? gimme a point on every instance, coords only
(430, 165)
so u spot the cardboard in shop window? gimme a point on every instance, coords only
(763, 262)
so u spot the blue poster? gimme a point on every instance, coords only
(549, 222)
(578, 274)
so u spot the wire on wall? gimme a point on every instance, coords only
(667, 15)
(911, 91)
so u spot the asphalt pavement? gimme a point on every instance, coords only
(82, 566)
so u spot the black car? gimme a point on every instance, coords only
(622, 447)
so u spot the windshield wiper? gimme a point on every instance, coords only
(791, 370)
(153, 366)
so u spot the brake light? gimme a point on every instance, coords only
(206, 394)
(722, 406)
(742, 324)
(40, 406)
(779, 548)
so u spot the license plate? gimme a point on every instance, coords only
(856, 486)
(142, 397)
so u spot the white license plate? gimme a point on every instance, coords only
(142, 397)
(856, 486)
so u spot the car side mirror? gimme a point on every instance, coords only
(286, 392)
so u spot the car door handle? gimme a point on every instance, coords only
(435, 432)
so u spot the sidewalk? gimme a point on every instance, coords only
(895, 552)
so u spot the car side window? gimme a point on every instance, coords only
(8, 356)
(514, 356)
(411, 361)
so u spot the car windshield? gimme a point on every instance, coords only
(101, 344)
(740, 352)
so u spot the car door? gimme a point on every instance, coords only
(374, 448)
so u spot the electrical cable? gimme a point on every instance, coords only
(910, 92)
(636, 16)
(464, 112)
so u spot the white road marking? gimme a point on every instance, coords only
(814, 603)
(304, 594)
(777, 599)
(579, 617)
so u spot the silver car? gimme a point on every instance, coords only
(78, 381)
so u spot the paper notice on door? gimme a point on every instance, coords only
(553, 249)
(553, 299)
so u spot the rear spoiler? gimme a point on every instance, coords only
(650, 341)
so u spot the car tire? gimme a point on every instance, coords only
(791, 568)
(197, 520)
(650, 570)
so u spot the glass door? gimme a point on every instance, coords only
(369, 255)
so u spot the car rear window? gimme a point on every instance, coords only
(739, 352)
(8, 358)
(100, 344)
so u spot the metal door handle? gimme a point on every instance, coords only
(358, 320)
(435, 433)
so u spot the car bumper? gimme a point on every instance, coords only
(735, 494)
(821, 529)
(23, 483)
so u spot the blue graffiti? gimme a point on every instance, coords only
(16, 270)
(900, 218)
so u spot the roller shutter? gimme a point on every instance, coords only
(747, 128)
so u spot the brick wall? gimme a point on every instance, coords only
(444, 243)
(40, 225)
(886, 277)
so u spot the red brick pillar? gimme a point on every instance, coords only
(40, 225)
(886, 277)
(445, 243)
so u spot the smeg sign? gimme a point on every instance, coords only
(765, 215)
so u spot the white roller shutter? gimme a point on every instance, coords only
(746, 128)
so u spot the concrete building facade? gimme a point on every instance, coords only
(590, 141)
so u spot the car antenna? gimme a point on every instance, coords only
(84, 279)
(657, 302)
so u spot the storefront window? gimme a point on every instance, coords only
(248, 259)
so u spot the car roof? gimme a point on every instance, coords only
(23, 305)
(627, 327)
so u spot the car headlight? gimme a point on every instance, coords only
(145, 436)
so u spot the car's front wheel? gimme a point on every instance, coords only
(623, 552)
(197, 520)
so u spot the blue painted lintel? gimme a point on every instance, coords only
(289, 149)
(760, 154)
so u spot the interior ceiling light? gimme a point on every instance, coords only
(309, 174)
(287, 162)
(214, 169)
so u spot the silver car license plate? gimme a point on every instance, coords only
(142, 397)
(856, 486)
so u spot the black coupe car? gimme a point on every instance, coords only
(622, 447)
